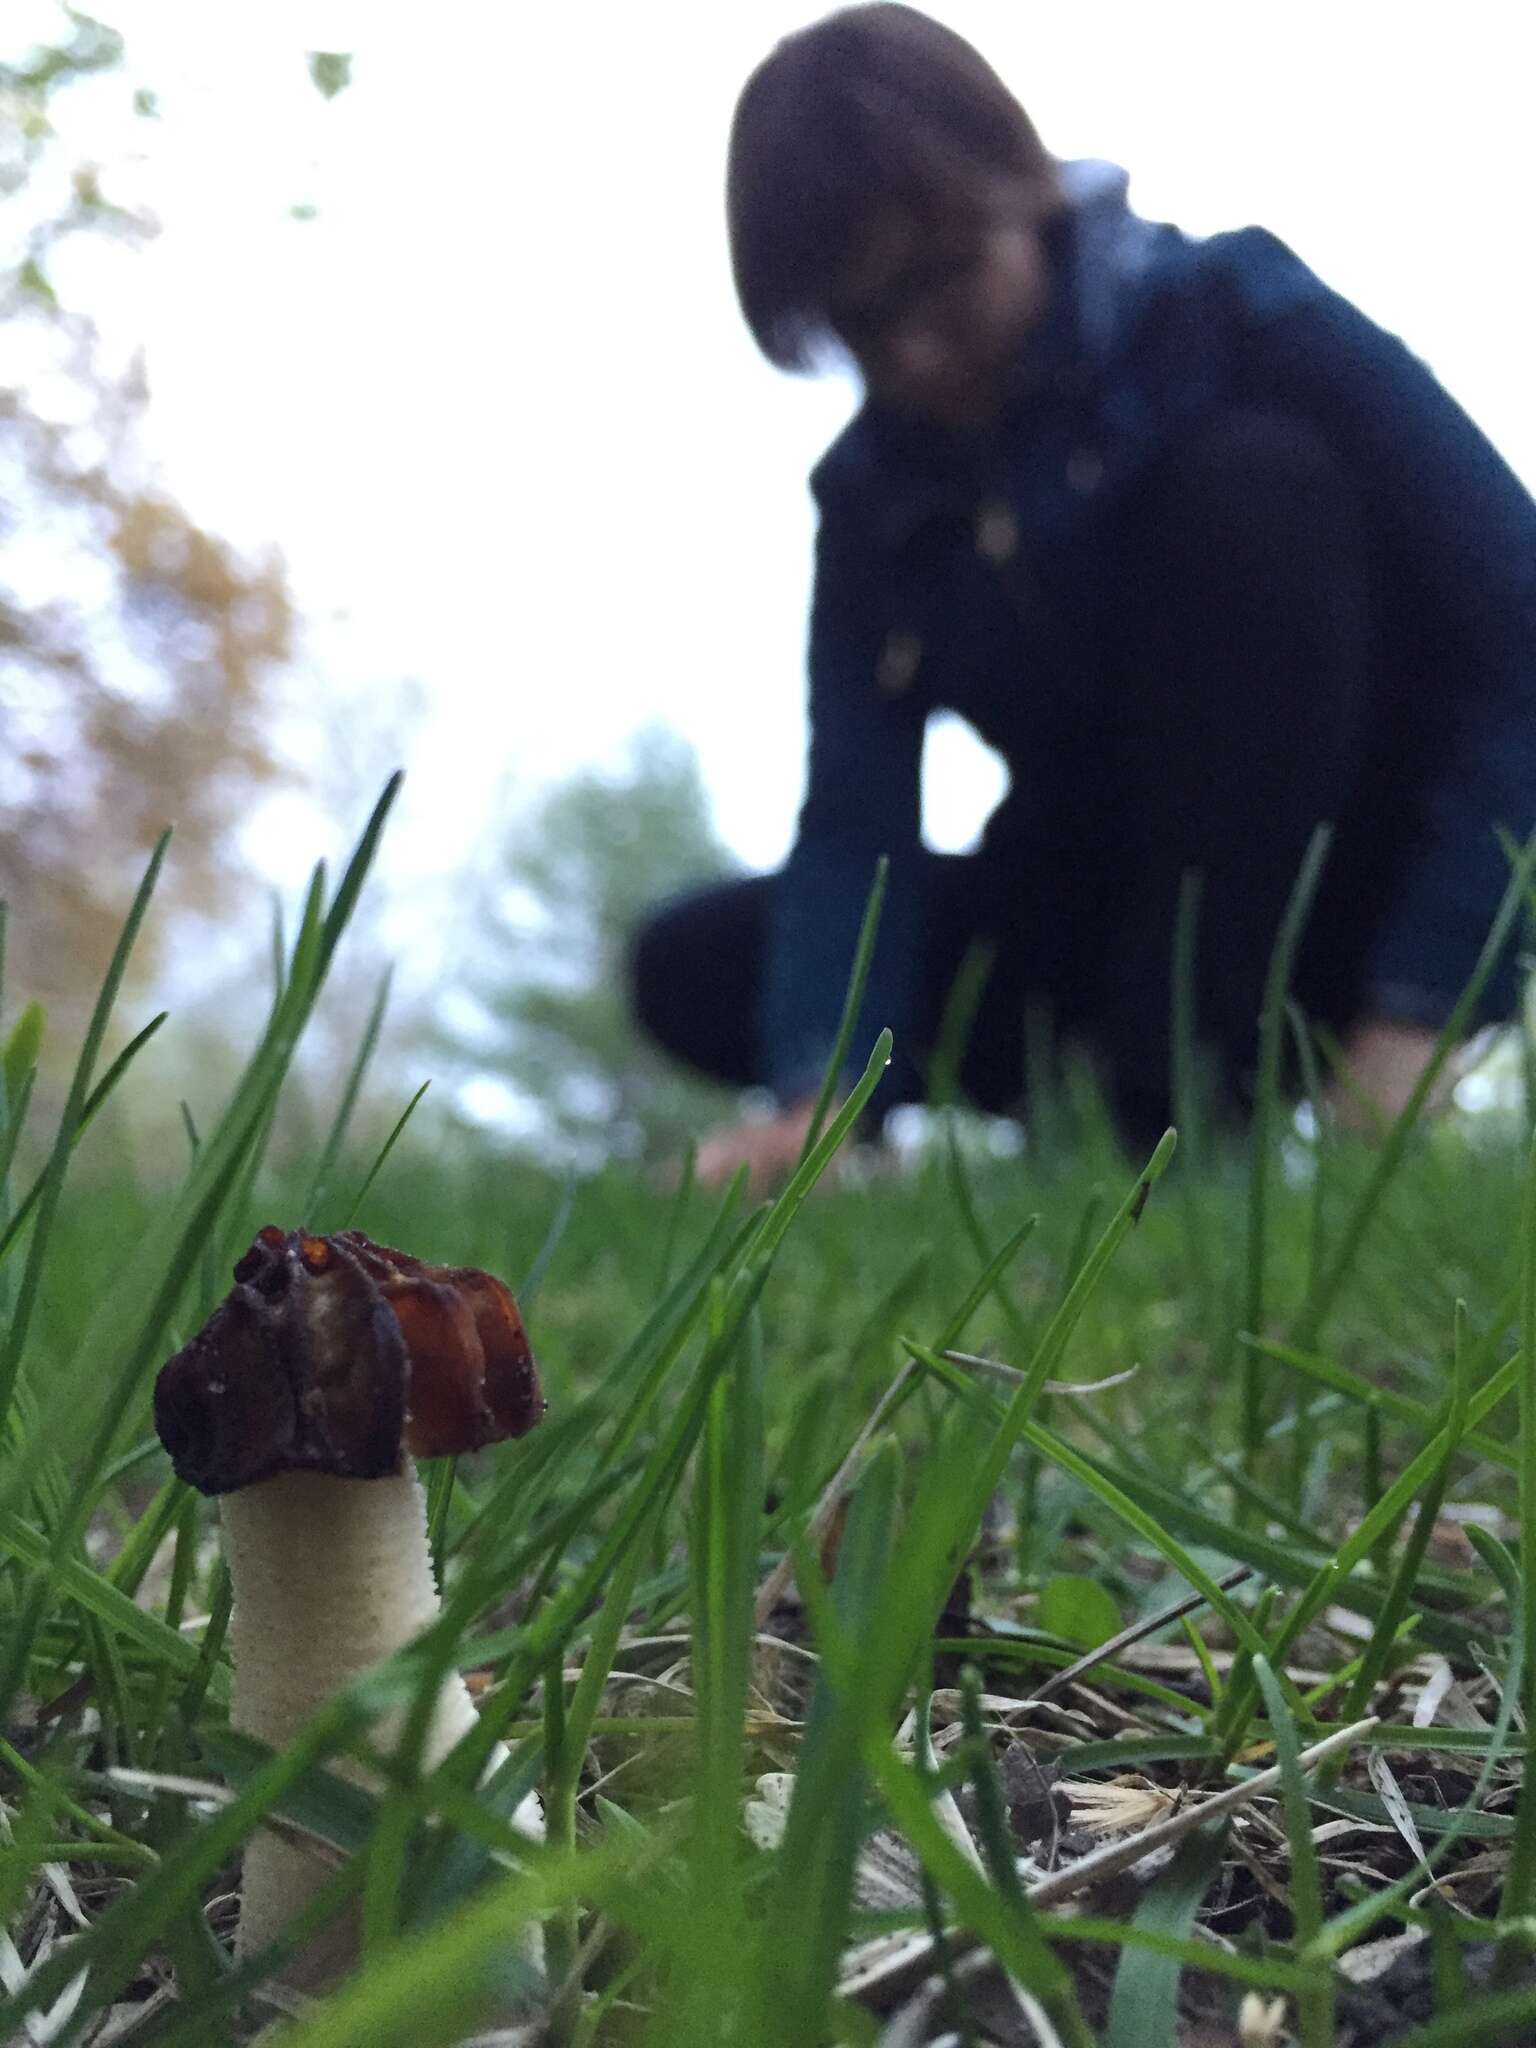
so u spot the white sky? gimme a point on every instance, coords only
(497, 407)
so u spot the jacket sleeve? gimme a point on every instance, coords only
(1459, 530)
(862, 799)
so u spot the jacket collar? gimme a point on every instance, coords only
(915, 473)
(1111, 248)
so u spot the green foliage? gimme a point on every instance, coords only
(331, 71)
(1079, 1609)
(137, 650)
(575, 876)
(730, 1388)
(22, 1048)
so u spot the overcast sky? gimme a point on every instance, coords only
(496, 405)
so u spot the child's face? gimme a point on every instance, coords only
(934, 307)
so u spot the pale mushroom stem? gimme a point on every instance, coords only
(329, 1576)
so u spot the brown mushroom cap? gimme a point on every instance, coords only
(334, 1354)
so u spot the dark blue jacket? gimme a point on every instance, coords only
(1152, 330)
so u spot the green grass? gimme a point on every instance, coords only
(731, 1387)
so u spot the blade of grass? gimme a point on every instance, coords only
(727, 1517)
(1058, 1333)
(956, 1021)
(435, 1986)
(1121, 1855)
(51, 1186)
(1046, 1981)
(115, 1943)
(1322, 1147)
(1306, 1882)
(533, 1279)
(21, 1052)
(1120, 1504)
(97, 1596)
(1011, 1928)
(853, 1002)
(23, 1047)
(1320, 1303)
(802, 1935)
(194, 1215)
(15, 1124)
(1176, 1512)
(965, 1207)
(383, 1154)
(99, 1095)
(1144, 2005)
(1267, 1110)
(1503, 2016)
(1183, 1079)
(1136, 1633)
(659, 1477)
(1328, 1581)
(341, 1122)
(1401, 1586)
(1518, 1909)
(1383, 1400)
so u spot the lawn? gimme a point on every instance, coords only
(1051, 1597)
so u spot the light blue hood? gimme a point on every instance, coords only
(1111, 249)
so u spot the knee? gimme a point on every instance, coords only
(652, 958)
(694, 953)
(693, 970)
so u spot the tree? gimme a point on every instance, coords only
(547, 1010)
(136, 650)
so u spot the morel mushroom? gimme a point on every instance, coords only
(331, 1363)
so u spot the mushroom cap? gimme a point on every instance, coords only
(338, 1355)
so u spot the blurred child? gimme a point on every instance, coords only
(1204, 554)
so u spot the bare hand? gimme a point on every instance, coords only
(769, 1148)
(1384, 1062)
